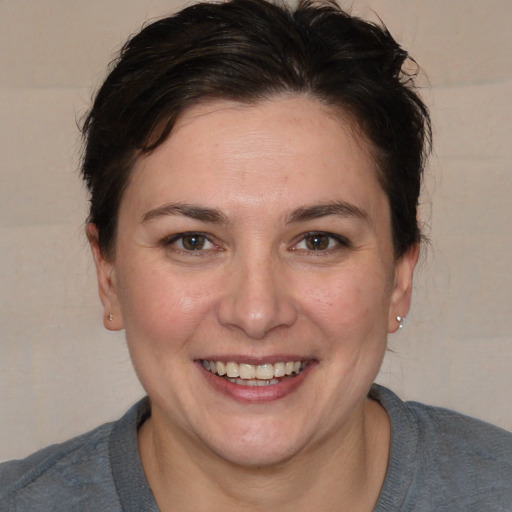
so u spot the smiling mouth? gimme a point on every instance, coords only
(243, 374)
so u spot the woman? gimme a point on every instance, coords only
(254, 175)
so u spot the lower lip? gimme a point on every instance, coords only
(256, 394)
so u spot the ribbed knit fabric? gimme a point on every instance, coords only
(440, 461)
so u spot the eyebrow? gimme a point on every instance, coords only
(302, 214)
(338, 208)
(200, 213)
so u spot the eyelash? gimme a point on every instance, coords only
(174, 239)
(339, 241)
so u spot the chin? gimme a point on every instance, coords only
(258, 452)
(259, 443)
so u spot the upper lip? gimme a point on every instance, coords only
(256, 360)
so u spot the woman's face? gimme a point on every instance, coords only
(256, 237)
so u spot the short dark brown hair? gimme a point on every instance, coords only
(249, 51)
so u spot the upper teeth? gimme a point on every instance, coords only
(265, 371)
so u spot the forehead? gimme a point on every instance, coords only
(291, 149)
(292, 116)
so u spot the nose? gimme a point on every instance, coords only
(257, 299)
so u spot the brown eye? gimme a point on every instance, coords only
(318, 241)
(321, 241)
(193, 242)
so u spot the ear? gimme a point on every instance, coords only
(402, 289)
(105, 271)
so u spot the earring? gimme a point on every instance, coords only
(110, 317)
(401, 321)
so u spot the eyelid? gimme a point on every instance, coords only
(172, 239)
(339, 239)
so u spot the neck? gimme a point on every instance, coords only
(344, 472)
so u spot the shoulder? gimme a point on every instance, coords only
(100, 470)
(466, 456)
(446, 430)
(57, 473)
(453, 460)
(455, 437)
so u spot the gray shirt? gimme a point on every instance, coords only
(440, 461)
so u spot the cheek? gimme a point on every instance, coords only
(349, 304)
(162, 309)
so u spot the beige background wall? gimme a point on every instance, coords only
(61, 373)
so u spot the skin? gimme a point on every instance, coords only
(253, 182)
